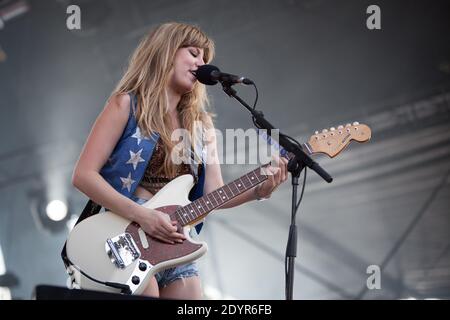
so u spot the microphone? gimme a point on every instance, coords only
(210, 75)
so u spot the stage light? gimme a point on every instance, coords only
(50, 215)
(12, 9)
(6, 279)
(56, 210)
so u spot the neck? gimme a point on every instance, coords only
(173, 100)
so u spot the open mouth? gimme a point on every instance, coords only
(194, 73)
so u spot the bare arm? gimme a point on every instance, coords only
(86, 177)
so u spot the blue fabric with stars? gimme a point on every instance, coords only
(126, 166)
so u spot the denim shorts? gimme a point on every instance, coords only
(166, 277)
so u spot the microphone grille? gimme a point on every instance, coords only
(203, 74)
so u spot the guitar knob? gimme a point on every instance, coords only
(135, 280)
(316, 132)
(348, 125)
(355, 123)
(324, 130)
(332, 128)
(142, 266)
(340, 127)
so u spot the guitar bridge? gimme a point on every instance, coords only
(122, 250)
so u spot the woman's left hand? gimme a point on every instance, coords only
(276, 175)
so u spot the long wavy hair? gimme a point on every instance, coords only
(147, 76)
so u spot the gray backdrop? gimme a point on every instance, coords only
(316, 65)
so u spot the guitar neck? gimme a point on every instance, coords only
(199, 208)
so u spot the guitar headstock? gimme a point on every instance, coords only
(333, 140)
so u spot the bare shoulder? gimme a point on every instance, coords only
(120, 102)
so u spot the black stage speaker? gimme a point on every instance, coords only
(47, 292)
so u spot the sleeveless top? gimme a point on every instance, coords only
(127, 163)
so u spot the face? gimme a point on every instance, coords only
(187, 60)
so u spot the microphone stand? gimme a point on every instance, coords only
(295, 165)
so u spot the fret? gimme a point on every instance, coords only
(188, 215)
(208, 202)
(200, 207)
(257, 176)
(250, 183)
(194, 210)
(215, 201)
(232, 193)
(179, 216)
(217, 198)
(260, 176)
(241, 185)
(182, 214)
(218, 203)
(222, 194)
(235, 186)
(219, 193)
(238, 186)
(253, 179)
(203, 204)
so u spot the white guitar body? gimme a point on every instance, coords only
(101, 247)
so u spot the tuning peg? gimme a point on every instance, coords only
(324, 130)
(332, 129)
(348, 125)
(355, 123)
(340, 127)
(316, 132)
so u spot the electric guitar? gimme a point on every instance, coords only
(111, 253)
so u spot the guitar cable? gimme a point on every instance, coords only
(124, 288)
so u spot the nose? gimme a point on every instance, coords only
(200, 63)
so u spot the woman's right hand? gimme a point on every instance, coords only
(158, 225)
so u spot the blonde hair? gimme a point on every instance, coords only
(147, 76)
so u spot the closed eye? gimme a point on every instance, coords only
(194, 54)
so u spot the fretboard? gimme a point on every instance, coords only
(199, 208)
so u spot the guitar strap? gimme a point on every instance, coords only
(201, 147)
(90, 209)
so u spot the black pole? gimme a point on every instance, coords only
(291, 248)
(295, 166)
